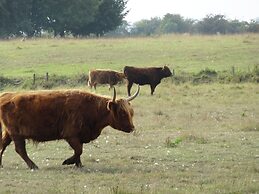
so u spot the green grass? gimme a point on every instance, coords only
(181, 52)
(214, 129)
(189, 139)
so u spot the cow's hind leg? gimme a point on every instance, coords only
(89, 84)
(95, 84)
(6, 140)
(21, 150)
(129, 85)
(78, 149)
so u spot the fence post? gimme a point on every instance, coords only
(47, 76)
(34, 79)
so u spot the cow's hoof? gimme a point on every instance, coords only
(33, 167)
(79, 165)
(68, 162)
(65, 163)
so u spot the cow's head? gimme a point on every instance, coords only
(122, 112)
(166, 71)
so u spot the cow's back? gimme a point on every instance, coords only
(141, 76)
(49, 115)
(105, 77)
(99, 76)
(41, 119)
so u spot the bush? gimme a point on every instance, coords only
(4, 82)
(207, 72)
(205, 76)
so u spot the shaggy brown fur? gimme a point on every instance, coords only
(101, 76)
(75, 116)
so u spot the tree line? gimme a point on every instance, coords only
(175, 23)
(102, 17)
(60, 17)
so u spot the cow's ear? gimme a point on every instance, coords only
(111, 105)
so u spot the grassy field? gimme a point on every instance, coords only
(190, 138)
(181, 52)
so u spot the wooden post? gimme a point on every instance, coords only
(47, 76)
(34, 79)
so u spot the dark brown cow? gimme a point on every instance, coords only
(75, 116)
(143, 76)
(100, 76)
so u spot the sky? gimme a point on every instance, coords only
(243, 10)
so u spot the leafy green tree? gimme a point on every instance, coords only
(174, 23)
(122, 30)
(146, 27)
(79, 17)
(213, 24)
(4, 19)
(235, 26)
(69, 16)
(109, 16)
(15, 17)
(254, 26)
(168, 24)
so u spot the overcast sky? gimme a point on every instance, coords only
(195, 9)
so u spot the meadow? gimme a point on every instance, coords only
(181, 52)
(190, 138)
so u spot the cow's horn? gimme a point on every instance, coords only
(134, 95)
(114, 94)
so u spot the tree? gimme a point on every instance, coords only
(253, 26)
(146, 27)
(213, 24)
(235, 26)
(15, 17)
(79, 17)
(174, 23)
(4, 19)
(122, 30)
(109, 16)
(70, 16)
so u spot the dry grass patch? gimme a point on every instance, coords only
(189, 139)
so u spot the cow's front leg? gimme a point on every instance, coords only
(77, 146)
(19, 143)
(153, 87)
